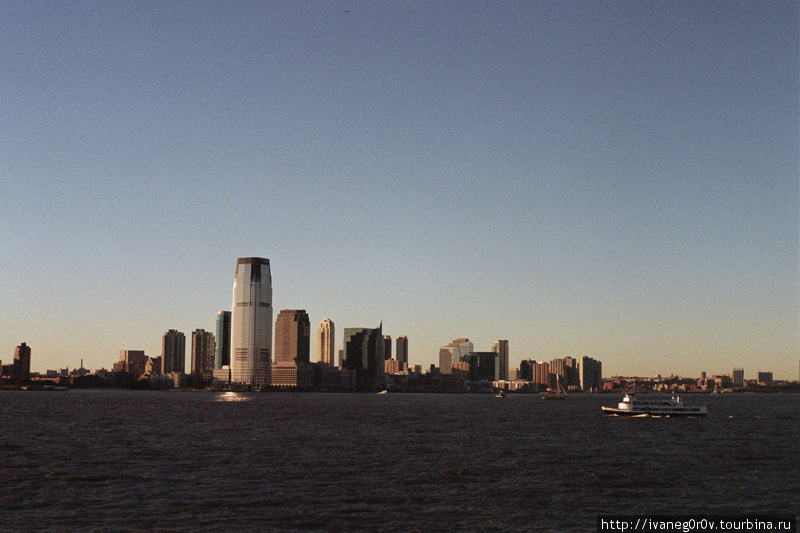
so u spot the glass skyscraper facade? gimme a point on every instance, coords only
(251, 322)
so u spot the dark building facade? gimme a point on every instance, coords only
(223, 349)
(204, 349)
(173, 352)
(402, 352)
(363, 354)
(21, 372)
(292, 336)
(483, 366)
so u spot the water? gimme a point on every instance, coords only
(188, 461)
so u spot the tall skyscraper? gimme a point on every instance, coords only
(251, 322)
(738, 377)
(292, 336)
(387, 347)
(501, 349)
(223, 350)
(591, 373)
(453, 353)
(401, 350)
(21, 371)
(326, 349)
(363, 352)
(173, 352)
(204, 348)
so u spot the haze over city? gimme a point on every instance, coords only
(612, 180)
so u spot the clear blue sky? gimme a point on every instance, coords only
(610, 179)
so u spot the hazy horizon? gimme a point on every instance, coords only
(612, 180)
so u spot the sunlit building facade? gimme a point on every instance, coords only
(251, 322)
(453, 353)
(500, 347)
(292, 336)
(326, 349)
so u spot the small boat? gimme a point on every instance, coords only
(500, 394)
(674, 406)
(558, 394)
(384, 391)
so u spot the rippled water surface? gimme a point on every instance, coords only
(133, 460)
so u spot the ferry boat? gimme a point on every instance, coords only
(632, 406)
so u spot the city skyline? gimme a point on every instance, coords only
(614, 181)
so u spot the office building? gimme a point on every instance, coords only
(483, 366)
(326, 349)
(764, 378)
(363, 354)
(21, 372)
(223, 349)
(173, 352)
(292, 336)
(251, 322)
(387, 347)
(738, 377)
(566, 370)
(591, 373)
(401, 349)
(204, 348)
(452, 353)
(500, 347)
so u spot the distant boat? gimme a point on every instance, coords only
(383, 391)
(500, 394)
(632, 406)
(558, 394)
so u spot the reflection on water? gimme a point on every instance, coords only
(230, 396)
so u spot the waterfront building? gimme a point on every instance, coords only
(567, 371)
(133, 361)
(591, 373)
(21, 372)
(401, 349)
(387, 347)
(292, 336)
(363, 354)
(251, 322)
(764, 378)
(738, 377)
(204, 348)
(500, 347)
(326, 349)
(452, 353)
(483, 366)
(222, 356)
(173, 352)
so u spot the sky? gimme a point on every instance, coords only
(618, 180)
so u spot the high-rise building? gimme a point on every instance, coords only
(363, 353)
(453, 353)
(326, 349)
(173, 352)
(387, 346)
(483, 366)
(500, 347)
(591, 373)
(566, 370)
(292, 336)
(738, 377)
(401, 350)
(223, 349)
(21, 372)
(251, 322)
(204, 348)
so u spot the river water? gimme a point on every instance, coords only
(191, 461)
